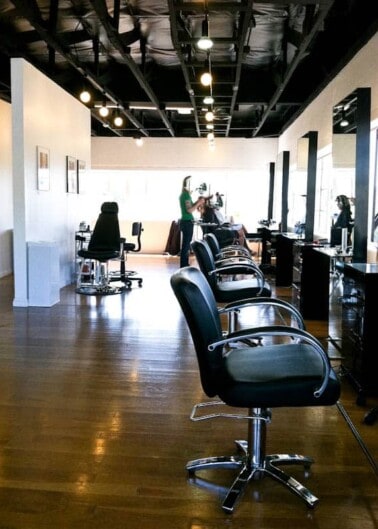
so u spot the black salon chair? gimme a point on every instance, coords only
(295, 373)
(104, 246)
(228, 291)
(125, 275)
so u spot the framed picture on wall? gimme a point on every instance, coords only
(80, 176)
(43, 169)
(71, 174)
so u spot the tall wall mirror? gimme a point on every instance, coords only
(302, 187)
(280, 193)
(350, 163)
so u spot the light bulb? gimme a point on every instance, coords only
(104, 111)
(209, 116)
(206, 79)
(85, 96)
(118, 121)
(210, 126)
(139, 142)
(205, 43)
(208, 100)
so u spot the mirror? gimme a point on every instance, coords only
(303, 187)
(350, 161)
(280, 193)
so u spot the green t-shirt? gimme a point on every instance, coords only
(184, 197)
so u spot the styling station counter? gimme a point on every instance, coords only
(313, 269)
(359, 329)
(284, 258)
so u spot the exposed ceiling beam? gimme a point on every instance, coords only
(178, 48)
(30, 11)
(301, 52)
(245, 25)
(113, 35)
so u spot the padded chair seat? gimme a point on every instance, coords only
(228, 291)
(253, 380)
(129, 246)
(99, 255)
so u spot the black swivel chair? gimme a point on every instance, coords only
(228, 291)
(104, 246)
(295, 373)
(127, 276)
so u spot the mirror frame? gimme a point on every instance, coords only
(311, 184)
(362, 126)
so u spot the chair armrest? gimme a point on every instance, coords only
(247, 268)
(235, 259)
(281, 330)
(233, 251)
(236, 306)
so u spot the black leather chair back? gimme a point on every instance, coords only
(205, 260)
(106, 234)
(136, 231)
(213, 243)
(200, 310)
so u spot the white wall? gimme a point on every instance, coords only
(183, 153)
(361, 72)
(6, 193)
(237, 168)
(44, 115)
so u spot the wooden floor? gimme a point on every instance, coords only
(96, 394)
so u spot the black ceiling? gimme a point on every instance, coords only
(268, 61)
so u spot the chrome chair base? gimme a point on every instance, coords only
(99, 291)
(94, 280)
(255, 472)
(252, 462)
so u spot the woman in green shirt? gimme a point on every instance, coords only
(187, 207)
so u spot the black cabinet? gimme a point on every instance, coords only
(311, 269)
(360, 328)
(284, 258)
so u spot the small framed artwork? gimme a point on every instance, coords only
(80, 176)
(43, 169)
(71, 174)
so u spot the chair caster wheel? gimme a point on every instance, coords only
(140, 283)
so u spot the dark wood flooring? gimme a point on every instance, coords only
(95, 397)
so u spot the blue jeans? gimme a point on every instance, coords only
(187, 228)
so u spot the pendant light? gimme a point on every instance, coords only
(205, 42)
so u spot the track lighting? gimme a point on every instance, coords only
(205, 42)
(209, 116)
